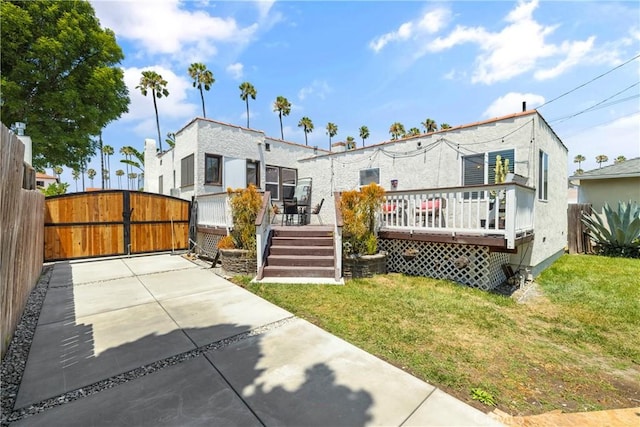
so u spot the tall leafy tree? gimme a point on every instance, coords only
(202, 79)
(619, 159)
(152, 81)
(61, 76)
(429, 125)
(579, 158)
(135, 158)
(107, 150)
(57, 171)
(600, 159)
(307, 126)
(413, 132)
(332, 130)
(283, 107)
(364, 133)
(396, 130)
(247, 91)
(126, 151)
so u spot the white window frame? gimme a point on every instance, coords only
(543, 176)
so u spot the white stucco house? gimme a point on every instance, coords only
(439, 185)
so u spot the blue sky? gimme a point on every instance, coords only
(374, 63)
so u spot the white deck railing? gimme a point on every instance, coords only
(501, 209)
(214, 210)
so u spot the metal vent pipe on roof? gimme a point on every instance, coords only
(524, 106)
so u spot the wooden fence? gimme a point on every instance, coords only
(21, 234)
(577, 237)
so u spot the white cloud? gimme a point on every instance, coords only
(235, 70)
(620, 137)
(431, 22)
(517, 48)
(318, 88)
(174, 106)
(165, 27)
(512, 103)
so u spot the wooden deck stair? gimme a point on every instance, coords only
(305, 251)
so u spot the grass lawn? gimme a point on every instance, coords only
(576, 347)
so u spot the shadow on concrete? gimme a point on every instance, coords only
(163, 379)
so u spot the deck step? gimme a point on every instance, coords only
(301, 250)
(300, 260)
(303, 232)
(298, 271)
(302, 241)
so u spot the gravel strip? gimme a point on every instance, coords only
(15, 359)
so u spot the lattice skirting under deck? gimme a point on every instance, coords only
(470, 265)
(207, 244)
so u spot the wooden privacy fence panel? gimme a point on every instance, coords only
(114, 222)
(21, 235)
(577, 236)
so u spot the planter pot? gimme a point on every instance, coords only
(237, 261)
(364, 266)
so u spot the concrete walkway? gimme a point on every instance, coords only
(159, 340)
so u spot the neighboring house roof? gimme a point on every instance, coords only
(628, 169)
(44, 176)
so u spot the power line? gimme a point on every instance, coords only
(593, 107)
(590, 81)
(601, 124)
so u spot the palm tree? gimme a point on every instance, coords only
(105, 174)
(413, 132)
(76, 176)
(119, 174)
(201, 78)
(396, 130)
(107, 150)
(283, 107)
(126, 152)
(600, 159)
(351, 143)
(578, 172)
(171, 139)
(247, 90)
(429, 125)
(364, 133)
(579, 158)
(619, 159)
(57, 171)
(444, 126)
(307, 125)
(153, 81)
(332, 130)
(91, 173)
(132, 179)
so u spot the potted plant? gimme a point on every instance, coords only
(238, 249)
(361, 257)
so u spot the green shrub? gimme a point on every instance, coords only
(359, 209)
(619, 233)
(245, 205)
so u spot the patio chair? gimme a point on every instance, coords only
(430, 212)
(290, 208)
(316, 211)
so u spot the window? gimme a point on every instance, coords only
(288, 183)
(543, 175)
(367, 176)
(160, 184)
(272, 182)
(504, 154)
(212, 169)
(473, 170)
(253, 173)
(479, 169)
(267, 146)
(186, 171)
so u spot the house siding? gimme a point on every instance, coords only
(611, 191)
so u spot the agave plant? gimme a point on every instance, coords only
(620, 235)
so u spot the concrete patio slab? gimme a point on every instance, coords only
(440, 409)
(65, 303)
(215, 315)
(177, 283)
(299, 374)
(189, 394)
(71, 354)
(96, 271)
(157, 263)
